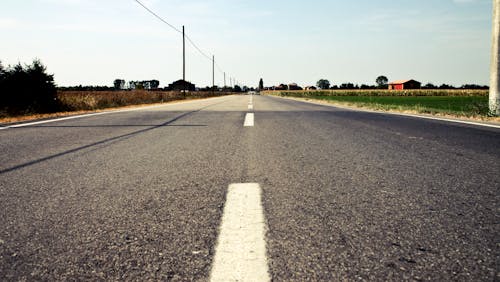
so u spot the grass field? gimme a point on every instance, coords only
(470, 103)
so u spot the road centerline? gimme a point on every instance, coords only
(249, 120)
(240, 253)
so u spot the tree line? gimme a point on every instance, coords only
(381, 82)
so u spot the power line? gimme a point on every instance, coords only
(160, 18)
(197, 48)
(186, 36)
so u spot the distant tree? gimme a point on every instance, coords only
(261, 84)
(2, 71)
(154, 84)
(86, 88)
(237, 88)
(119, 84)
(347, 86)
(429, 86)
(282, 86)
(382, 81)
(474, 86)
(446, 86)
(323, 84)
(364, 86)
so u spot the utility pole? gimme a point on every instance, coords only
(213, 72)
(183, 55)
(495, 61)
(183, 61)
(224, 80)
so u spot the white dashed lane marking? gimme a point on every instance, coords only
(249, 120)
(240, 254)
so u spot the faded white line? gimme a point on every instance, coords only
(240, 254)
(108, 112)
(396, 114)
(249, 119)
(54, 120)
(448, 120)
(250, 107)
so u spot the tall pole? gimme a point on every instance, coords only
(213, 73)
(224, 80)
(495, 61)
(183, 55)
(183, 61)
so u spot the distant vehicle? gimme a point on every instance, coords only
(252, 93)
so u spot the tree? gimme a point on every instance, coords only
(323, 84)
(119, 84)
(446, 86)
(2, 70)
(347, 85)
(429, 86)
(382, 81)
(27, 89)
(155, 84)
(261, 84)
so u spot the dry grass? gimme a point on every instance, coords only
(82, 102)
(93, 100)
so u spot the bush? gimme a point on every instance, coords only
(27, 89)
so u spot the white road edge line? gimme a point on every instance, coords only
(400, 114)
(102, 113)
(240, 253)
(249, 120)
(53, 120)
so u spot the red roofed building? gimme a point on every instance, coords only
(404, 84)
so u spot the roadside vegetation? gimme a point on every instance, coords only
(28, 92)
(26, 89)
(467, 102)
(96, 100)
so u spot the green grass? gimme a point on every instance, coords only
(457, 105)
(470, 103)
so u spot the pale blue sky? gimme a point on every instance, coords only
(92, 42)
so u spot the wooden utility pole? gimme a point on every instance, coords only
(213, 73)
(495, 63)
(183, 61)
(183, 55)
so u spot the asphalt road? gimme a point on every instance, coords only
(139, 195)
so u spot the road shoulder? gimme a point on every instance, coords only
(493, 123)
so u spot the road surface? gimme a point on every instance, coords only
(326, 194)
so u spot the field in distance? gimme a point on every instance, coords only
(456, 102)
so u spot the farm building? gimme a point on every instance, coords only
(294, 86)
(180, 85)
(404, 84)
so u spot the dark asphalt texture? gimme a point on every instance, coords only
(347, 195)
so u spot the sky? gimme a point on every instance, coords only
(94, 42)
